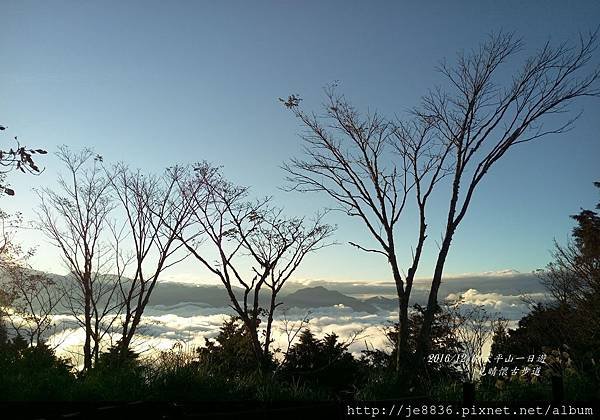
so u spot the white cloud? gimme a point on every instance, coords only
(509, 306)
(191, 322)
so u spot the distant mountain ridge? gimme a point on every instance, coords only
(361, 298)
(173, 294)
(318, 296)
(382, 303)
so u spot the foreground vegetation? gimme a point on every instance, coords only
(314, 370)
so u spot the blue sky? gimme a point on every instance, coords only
(157, 83)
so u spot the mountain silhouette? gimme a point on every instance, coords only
(317, 297)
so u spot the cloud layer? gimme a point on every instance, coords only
(171, 320)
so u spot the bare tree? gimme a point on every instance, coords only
(473, 328)
(29, 298)
(352, 158)
(75, 218)
(482, 120)
(155, 214)
(291, 329)
(565, 277)
(248, 233)
(34, 298)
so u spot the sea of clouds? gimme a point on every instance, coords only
(187, 324)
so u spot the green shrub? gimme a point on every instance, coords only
(33, 372)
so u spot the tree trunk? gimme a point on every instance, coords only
(269, 324)
(423, 341)
(96, 349)
(87, 345)
(402, 338)
(128, 337)
(258, 351)
(402, 350)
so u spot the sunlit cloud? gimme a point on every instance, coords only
(189, 324)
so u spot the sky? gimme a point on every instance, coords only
(159, 83)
